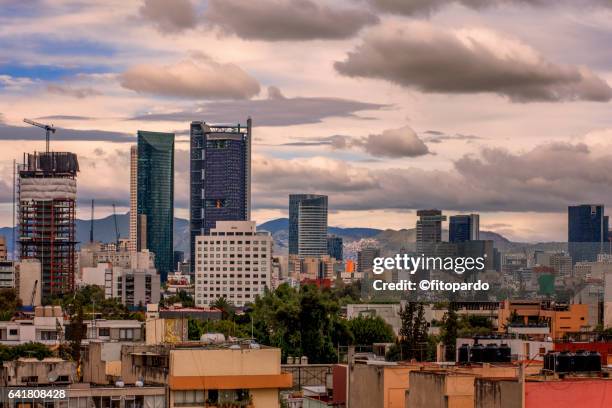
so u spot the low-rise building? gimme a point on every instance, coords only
(32, 372)
(46, 327)
(214, 374)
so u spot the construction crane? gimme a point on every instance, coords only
(91, 225)
(116, 229)
(48, 129)
(34, 293)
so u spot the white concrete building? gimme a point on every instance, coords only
(7, 274)
(234, 261)
(28, 279)
(46, 327)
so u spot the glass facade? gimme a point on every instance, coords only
(334, 247)
(307, 224)
(587, 231)
(220, 178)
(464, 228)
(156, 195)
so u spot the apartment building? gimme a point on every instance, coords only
(233, 261)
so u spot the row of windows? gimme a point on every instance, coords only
(231, 275)
(231, 283)
(231, 249)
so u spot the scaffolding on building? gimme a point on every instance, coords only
(46, 202)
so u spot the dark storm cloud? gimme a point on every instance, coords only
(8, 132)
(278, 20)
(277, 110)
(170, 16)
(434, 60)
(544, 179)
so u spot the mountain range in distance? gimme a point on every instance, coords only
(390, 240)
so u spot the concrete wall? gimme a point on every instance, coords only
(366, 389)
(200, 362)
(493, 393)
(430, 389)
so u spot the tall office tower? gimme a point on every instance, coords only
(46, 218)
(307, 224)
(334, 247)
(428, 229)
(155, 197)
(464, 228)
(365, 259)
(133, 245)
(220, 178)
(587, 231)
(233, 261)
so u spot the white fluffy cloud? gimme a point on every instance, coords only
(196, 78)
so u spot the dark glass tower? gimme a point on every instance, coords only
(155, 195)
(307, 224)
(334, 247)
(464, 228)
(220, 178)
(587, 231)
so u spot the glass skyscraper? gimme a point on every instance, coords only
(155, 196)
(587, 231)
(334, 247)
(307, 224)
(464, 228)
(220, 178)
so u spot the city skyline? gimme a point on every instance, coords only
(328, 120)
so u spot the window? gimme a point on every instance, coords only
(126, 334)
(188, 397)
(13, 332)
(104, 332)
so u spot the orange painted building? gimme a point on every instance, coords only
(561, 319)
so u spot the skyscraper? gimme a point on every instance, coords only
(155, 196)
(307, 224)
(334, 247)
(464, 228)
(428, 229)
(587, 231)
(46, 216)
(220, 178)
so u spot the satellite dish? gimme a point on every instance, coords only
(52, 377)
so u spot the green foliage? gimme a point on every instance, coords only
(472, 325)
(181, 297)
(91, 299)
(226, 308)
(450, 331)
(37, 350)
(9, 303)
(413, 333)
(368, 330)
(304, 322)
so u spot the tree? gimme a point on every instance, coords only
(36, 350)
(9, 303)
(301, 322)
(226, 308)
(449, 332)
(369, 330)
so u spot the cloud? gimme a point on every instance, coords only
(8, 132)
(495, 180)
(66, 117)
(170, 16)
(434, 136)
(276, 110)
(65, 90)
(435, 60)
(279, 20)
(391, 143)
(195, 78)
(428, 7)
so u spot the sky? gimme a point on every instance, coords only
(500, 107)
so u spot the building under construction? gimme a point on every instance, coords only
(46, 194)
